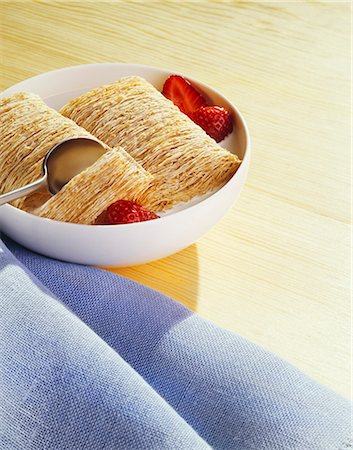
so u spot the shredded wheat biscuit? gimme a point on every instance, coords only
(28, 130)
(87, 195)
(183, 159)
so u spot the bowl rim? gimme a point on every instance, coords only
(163, 219)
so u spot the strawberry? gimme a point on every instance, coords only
(182, 94)
(215, 120)
(126, 211)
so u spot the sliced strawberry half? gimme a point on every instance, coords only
(215, 120)
(125, 211)
(183, 94)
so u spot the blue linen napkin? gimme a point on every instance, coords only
(91, 360)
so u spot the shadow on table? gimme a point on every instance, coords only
(175, 276)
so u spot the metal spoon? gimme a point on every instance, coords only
(65, 160)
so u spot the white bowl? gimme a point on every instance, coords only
(130, 244)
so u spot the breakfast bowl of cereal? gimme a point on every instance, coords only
(176, 156)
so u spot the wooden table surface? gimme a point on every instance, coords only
(276, 268)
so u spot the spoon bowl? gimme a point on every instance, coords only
(68, 158)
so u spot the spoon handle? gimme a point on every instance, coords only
(25, 190)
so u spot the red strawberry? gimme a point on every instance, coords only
(215, 120)
(125, 211)
(182, 94)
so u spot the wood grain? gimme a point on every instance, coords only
(277, 268)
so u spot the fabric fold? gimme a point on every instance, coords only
(63, 387)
